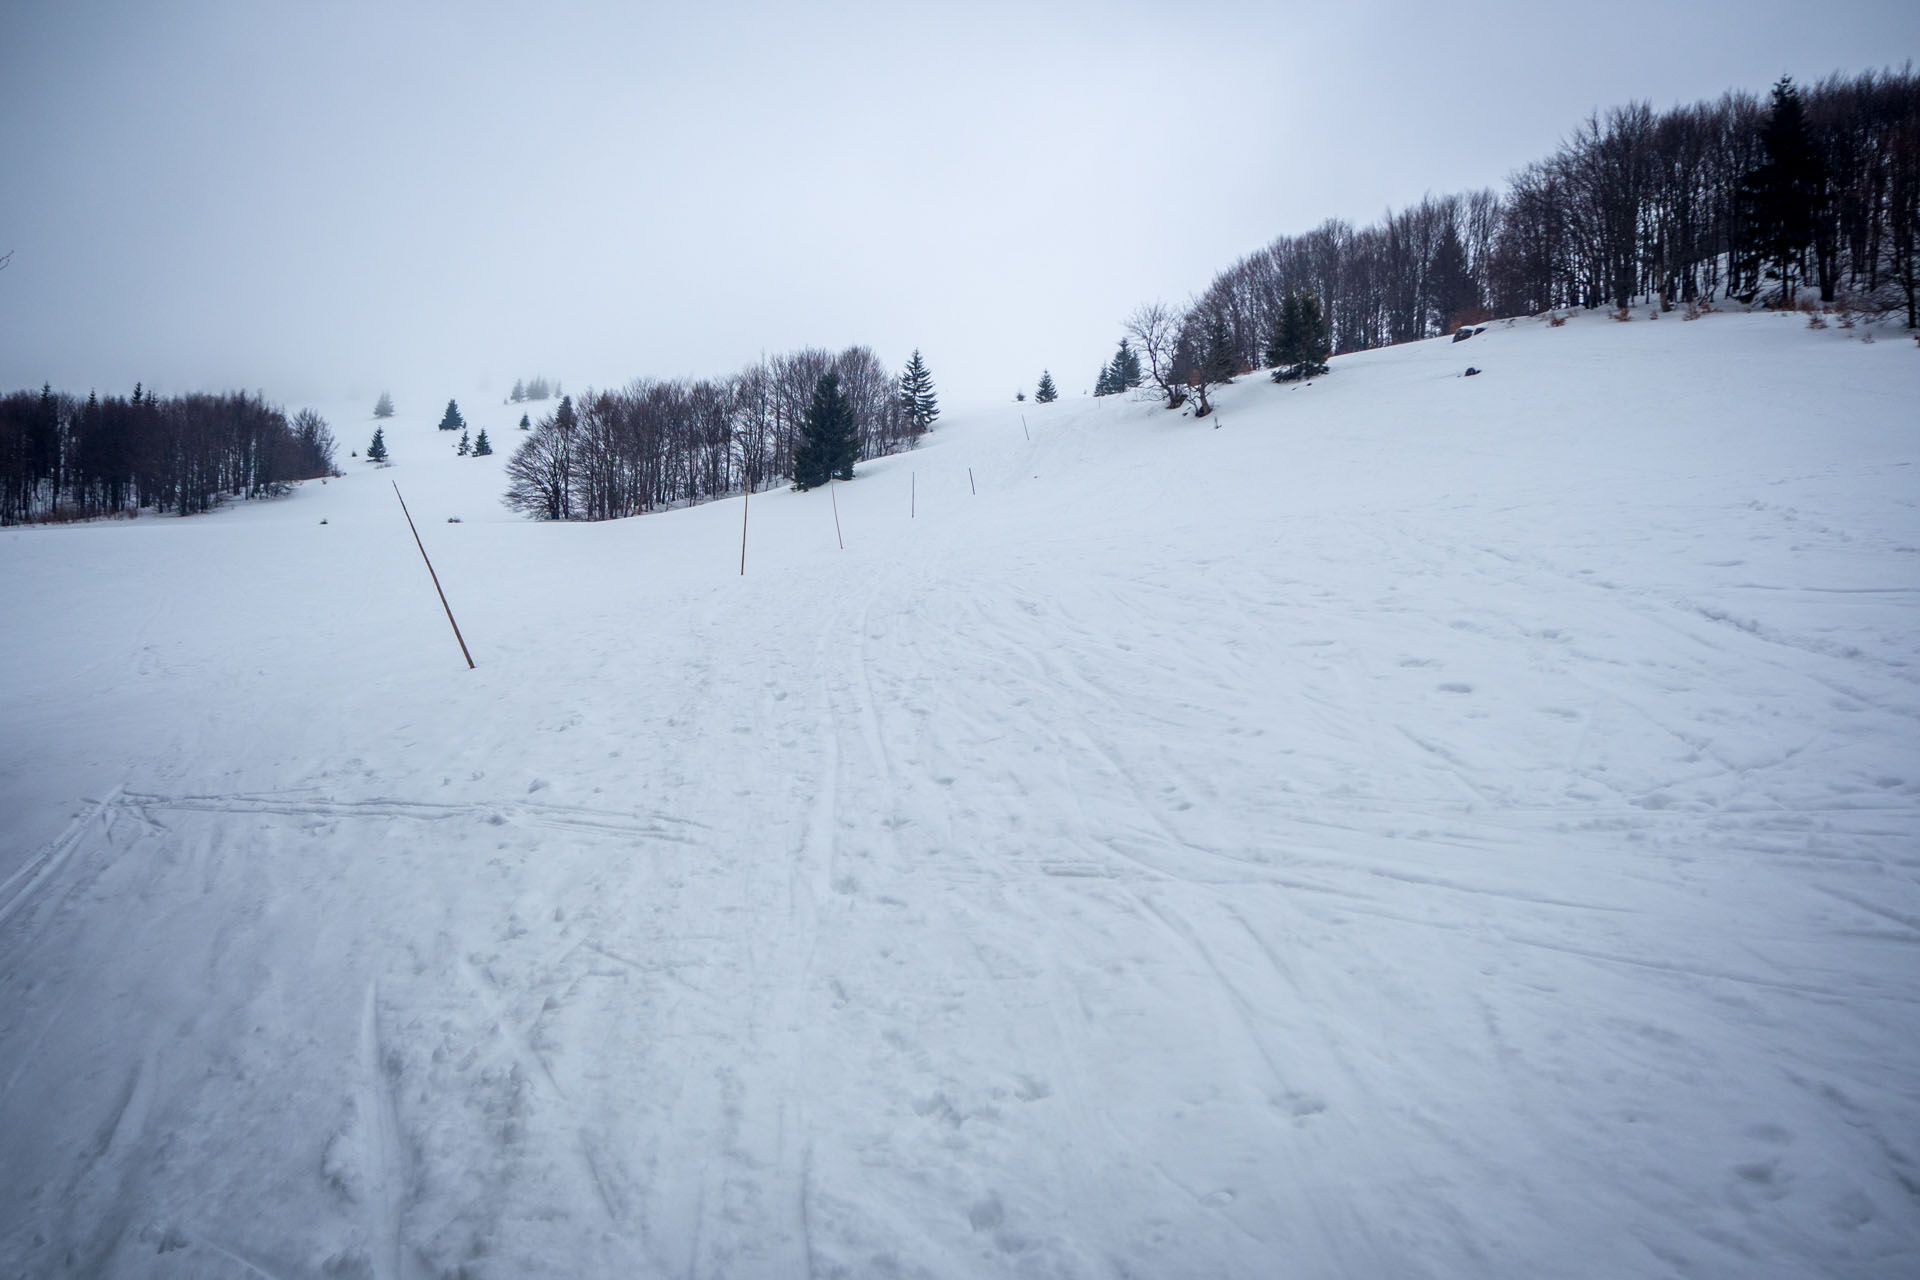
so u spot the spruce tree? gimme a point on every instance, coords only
(1126, 367)
(481, 446)
(827, 447)
(1219, 360)
(917, 400)
(377, 451)
(1300, 343)
(1451, 289)
(466, 446)
(1280, 346)
(524, 423)
(519, 392)
(1783, 196)
(1046, 392)
(1316, 341)
(451, 419)
(383, 407)
(1103, 385)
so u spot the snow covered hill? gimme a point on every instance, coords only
(1407, 826)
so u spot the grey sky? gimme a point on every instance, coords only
(320, 199)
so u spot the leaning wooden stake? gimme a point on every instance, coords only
(913, 494)
(970, 484)
(744, 499)
(434, 576)
(836, 515)
(1023, 427)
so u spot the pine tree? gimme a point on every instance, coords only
(451, 419)
(1280, 346)
(466, 446)
(524, 424)
(481, 446)
(1103, 385)
(1451, 289)
(1316, 340)
(1783, 196)
(383, 407)
(917, 400)
(827, 446)
(1126, 367)
(1046, 392)
(519, 393)
(1300, 344)
(1219, 359)
(377, 451)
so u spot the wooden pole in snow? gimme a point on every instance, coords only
(970, 484)
(1023, 427)
(913, 494)
(745, 498)
(434, 576)
(836, 515)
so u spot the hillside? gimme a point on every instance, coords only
(1406, 825)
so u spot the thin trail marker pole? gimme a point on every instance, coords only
(836, 515)
(913, 494)
(434, 576)
(745, 498)
(970, 484)
(1023, 427)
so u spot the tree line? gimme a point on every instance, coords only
(659, 443)
(1744, 198)
(66, 458)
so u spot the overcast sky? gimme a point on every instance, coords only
(321, 199)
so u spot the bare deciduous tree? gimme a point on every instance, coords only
(1156, 328)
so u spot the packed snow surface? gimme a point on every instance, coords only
(1408, 825)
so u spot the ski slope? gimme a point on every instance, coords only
(1407, 826)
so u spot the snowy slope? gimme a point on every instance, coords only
(1421, 826)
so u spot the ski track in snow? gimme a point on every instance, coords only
(1421, 828)
(385, 1173)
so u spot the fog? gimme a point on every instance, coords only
(322, 200)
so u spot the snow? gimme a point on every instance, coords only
(1407, 825)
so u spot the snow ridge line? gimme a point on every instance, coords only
(41, 867)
